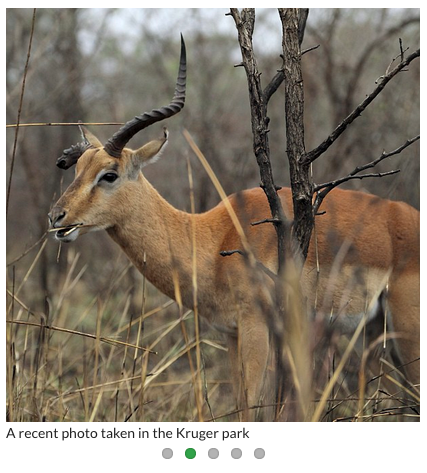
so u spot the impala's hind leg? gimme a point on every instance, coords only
(249, 353)
(404, 300)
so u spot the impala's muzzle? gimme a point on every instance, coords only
(55, 216)
(64, 233)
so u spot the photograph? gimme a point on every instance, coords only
(212, 215)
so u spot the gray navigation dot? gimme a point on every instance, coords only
(167, 453)
(259, 453)
(213, 453)
(236, 453)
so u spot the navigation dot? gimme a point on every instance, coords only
(213, 453)
(190, 453)
(236, 453)
(167, 453)
(259, 453)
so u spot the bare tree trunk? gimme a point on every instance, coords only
(258, 102)
(294, 114)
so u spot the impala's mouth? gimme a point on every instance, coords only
(63, 232)
(66, 233)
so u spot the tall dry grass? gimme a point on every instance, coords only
(93, 358)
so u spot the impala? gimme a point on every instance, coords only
(363, 245)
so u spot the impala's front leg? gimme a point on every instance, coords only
(249, 353)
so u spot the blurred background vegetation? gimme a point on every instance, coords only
(107, 65)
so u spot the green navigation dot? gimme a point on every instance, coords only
(190, 453)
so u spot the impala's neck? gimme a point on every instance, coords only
(157, 238)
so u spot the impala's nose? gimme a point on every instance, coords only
(55, 215)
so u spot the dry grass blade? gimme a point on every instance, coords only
(28, 250)
(328, 389)
(82, 334)
(220, 191)
(69, 228)
(15, 125)
(198, 380)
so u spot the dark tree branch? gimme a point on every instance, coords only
(302, 21)
(248, 18)
(265, 220)
(385, 155)
(231, 252)
(278, 78)
(245, 21)
(310, 49)
(258, 104)
(332, 184)
(402, 52)
(363, 61)
(294, 113)
(328, 186)
(323, 190)
(274, 84)
(316, 152)
(259, 265)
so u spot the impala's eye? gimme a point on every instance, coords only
(109, 177)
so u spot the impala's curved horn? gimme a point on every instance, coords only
(71, 155)
(118, 141)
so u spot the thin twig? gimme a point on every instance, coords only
(82, 334)
(402, 52)
(40, 240)
(21, 100)
(385, 155)
(21, 125)
(332, 184)
(231, 252)
(310, 49)
(319, 150)
(326, 187)
(400, 55)
(265, 220)
(70, 227)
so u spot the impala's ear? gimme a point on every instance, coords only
(151, 151)
(89, 137)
